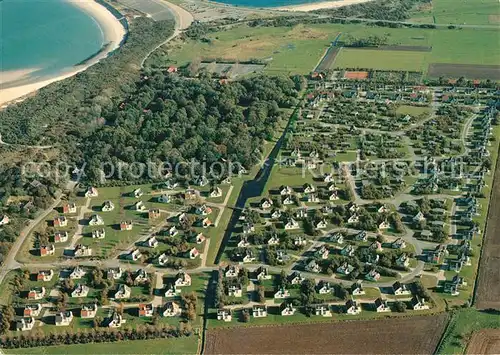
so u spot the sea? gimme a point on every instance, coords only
(45, 37)
(266, 3)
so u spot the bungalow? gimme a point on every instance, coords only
(383, 209)
(182, 279)
(266, 203)
(398, 244)
(107, 206)
(80, 291)
(224, 314)
(141, 276)
(137, 193)
(332, 186)
(384, 225)
(231, 271)
(134, 255)
(285, 190)
(69, 207)
(312, 198)
(328, 178)
(259, 311)
(322, 252)
(262, 273)
(288, 200)
(172, 231)
(418, 303)
(164, 198)
(171, 290)
(376, 245)
(345, 269)
(151, 242)
(352, 307)
(115, 320)
(60, 221)
(322, 310)
(45, 275)
(301, 213)
(287, 309)
(282, 256)
(321, 224)
(215, 192)
(308, 188)
(46, 250)
(361, 236)
(154, 213)
(32, 310)
(400, 289)
(248, 256)
(403, 260)
(299, 241)
(373, 275)
(122, 292)
(61, 237)
(248, 228)
(348, 250)
(354, 218)
(276, 214)
(25, 323)
(99, 233)
(88, 311)
(91, 192)
(291, 224)
(205, 223)
(274, 240)
(201, 181)
(77, 273)
(139, 206)
(243, 242)
(357, 289)
(419, 217)
(203, 210)
(381, 305)
(63, 318)
(234, 290)
(295, 278)
(4, 220)
(313, 266)
(191, 194)
(336, 238)
(193, 253)
(171, 309)
(426, 234)
(36, 293)
(226, 181)
(282, 293)
(81, 251)
(451, 288)
(324, 288)
(353, 207)
(146, 310)
(96, 220)
(126, 225)
(334, 196)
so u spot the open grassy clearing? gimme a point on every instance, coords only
(185, 345)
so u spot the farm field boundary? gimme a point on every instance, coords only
(421, 334)
(469, 71)
(399, 48)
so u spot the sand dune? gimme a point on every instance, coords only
(112, 31)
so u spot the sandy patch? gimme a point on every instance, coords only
(15, 75)
(321, 5)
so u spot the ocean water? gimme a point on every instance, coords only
(266, 3)
(45, 36)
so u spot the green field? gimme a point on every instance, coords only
(477, 12)
(382, 60)
(186, 345)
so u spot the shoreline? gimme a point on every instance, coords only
(112, 32)
(319, 5)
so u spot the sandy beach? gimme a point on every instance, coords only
(320, 5)
(112, 31)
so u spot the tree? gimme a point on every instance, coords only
(399, 307)
(245, 316)
(6, 318)
(261, 298)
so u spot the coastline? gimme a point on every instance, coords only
(320, 5)
(112, 33)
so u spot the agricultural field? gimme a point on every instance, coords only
(488, 289)
(470, 12)
(485, 341)
(381, 59)
(468, 71)
(420, 334)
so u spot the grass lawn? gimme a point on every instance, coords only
(185, 345)
(382, 60)
(412, 110)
